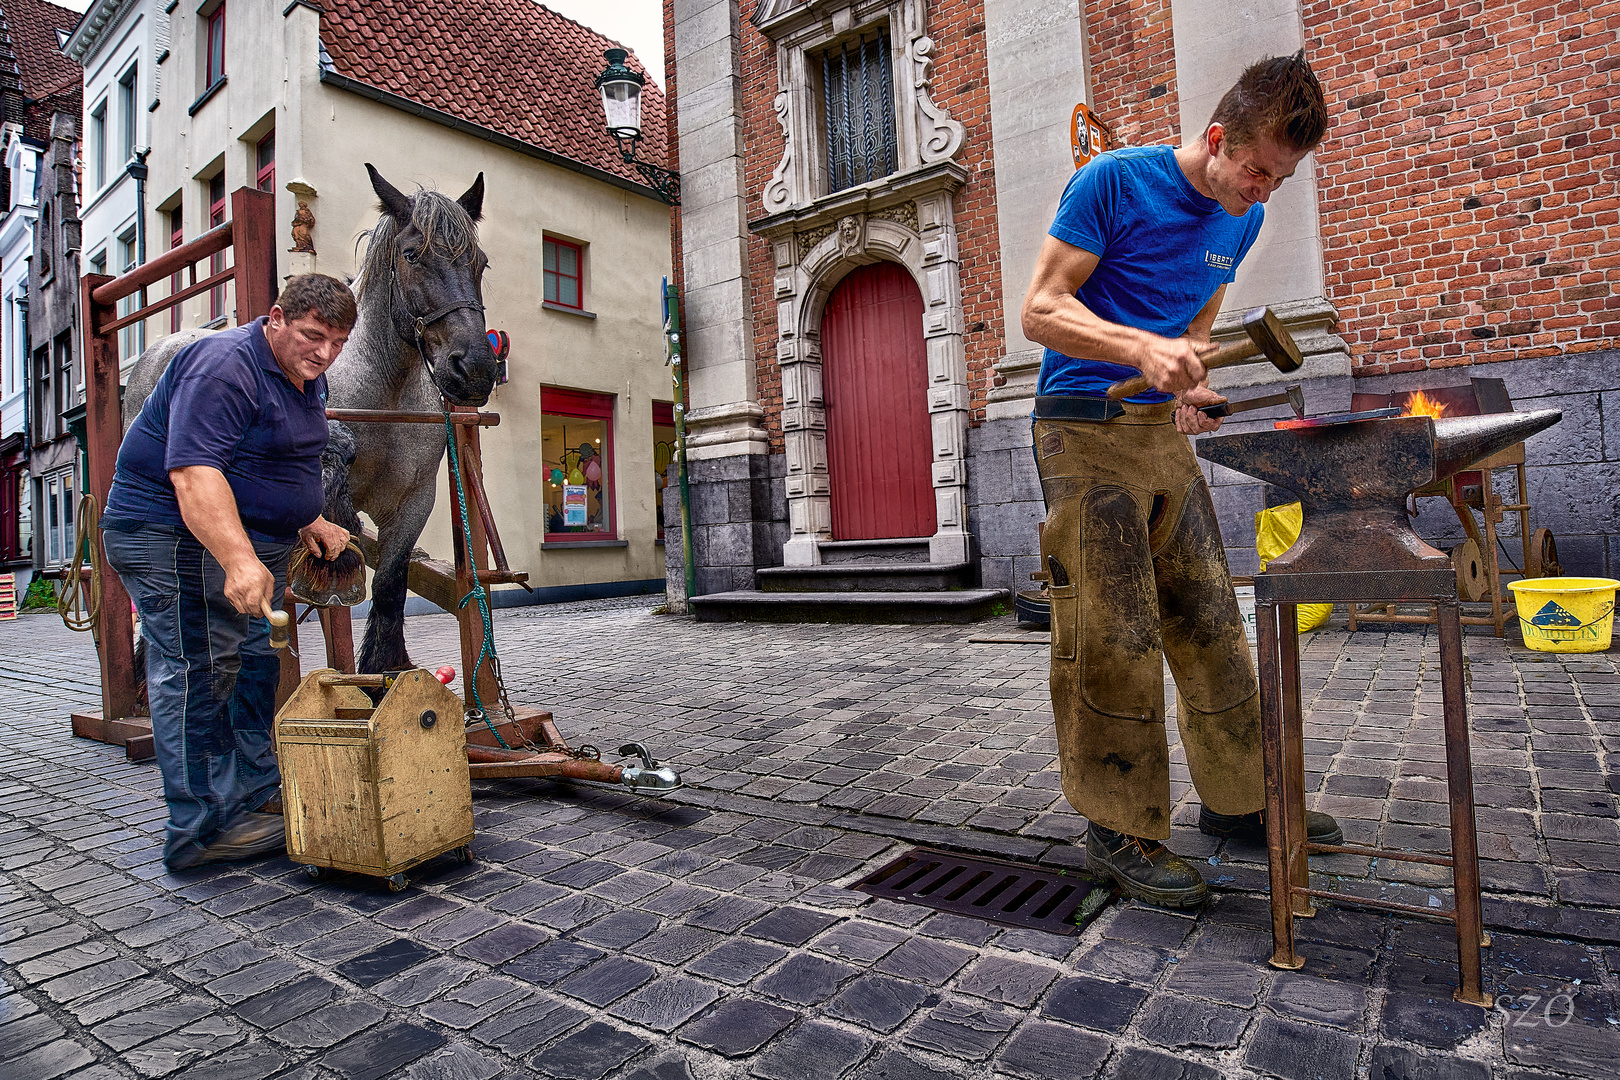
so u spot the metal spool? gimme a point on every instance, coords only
(1473, 580)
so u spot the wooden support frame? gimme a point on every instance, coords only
(250, 234)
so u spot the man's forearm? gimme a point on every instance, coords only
(208, 507)
(1063, 323)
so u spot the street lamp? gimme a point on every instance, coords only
(621, 105)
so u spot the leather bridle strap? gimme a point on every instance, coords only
(420, 323)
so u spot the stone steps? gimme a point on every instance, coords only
(934, 606)
(842, 577)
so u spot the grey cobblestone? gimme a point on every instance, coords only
(713, 937)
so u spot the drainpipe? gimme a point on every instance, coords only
(137, 169)
(672, 340)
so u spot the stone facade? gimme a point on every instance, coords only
(1419, 246)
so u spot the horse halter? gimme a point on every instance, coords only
(420, 323)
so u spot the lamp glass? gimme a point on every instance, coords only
(621, 104)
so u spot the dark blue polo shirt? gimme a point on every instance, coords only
(225, 402)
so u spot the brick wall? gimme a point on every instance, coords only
(960, 85)
(1133, 71)
(1468, 185)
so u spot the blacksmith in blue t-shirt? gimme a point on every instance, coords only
(218, 480)
(1130, 280)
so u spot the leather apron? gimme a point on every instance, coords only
(1138, 574)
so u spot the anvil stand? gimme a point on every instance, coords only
(1356, 544)
(1282, 733)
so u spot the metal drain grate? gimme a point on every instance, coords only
(999, 892)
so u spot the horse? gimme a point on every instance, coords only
(420, 336)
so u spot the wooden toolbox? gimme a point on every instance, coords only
(373, 790)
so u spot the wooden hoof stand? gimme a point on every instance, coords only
(373, 790)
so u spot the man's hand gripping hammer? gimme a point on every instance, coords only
(280, 627)
(1268, 340)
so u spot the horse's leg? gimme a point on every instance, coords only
(336, 461)
(383, 648)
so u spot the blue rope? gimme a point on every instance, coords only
(487, 649)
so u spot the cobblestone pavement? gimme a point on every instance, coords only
(711, 935)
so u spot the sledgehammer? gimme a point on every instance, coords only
(1268, 340)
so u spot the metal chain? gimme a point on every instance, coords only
(486, 649)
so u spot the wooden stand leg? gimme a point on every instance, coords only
(1293, 756)
(1460, 787)
(1271, 737)
(337, 627)
(1493, 563)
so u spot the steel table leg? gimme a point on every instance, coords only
(1293, 724)
(1460, 787)
(1271, 737)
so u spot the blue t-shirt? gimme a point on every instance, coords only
(225, 402)
(1163, 251)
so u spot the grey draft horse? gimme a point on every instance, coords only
(420, 334)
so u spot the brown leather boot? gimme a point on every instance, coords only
(1144, 869)
(1319, 827)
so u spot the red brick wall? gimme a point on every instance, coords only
(1133, 71)
(961, 85)
(1468, 186)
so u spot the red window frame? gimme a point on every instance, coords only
(216, 45)
(266, 177)
(553, 276)
(586, 406)
(177, 236)
(216, 216)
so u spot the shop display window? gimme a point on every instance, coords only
(663, 454)
(576, 443)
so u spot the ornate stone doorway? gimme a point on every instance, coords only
(874, 362)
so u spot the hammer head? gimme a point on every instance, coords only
(1267, 331)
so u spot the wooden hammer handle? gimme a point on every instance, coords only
(1236, 353)
(356, 680)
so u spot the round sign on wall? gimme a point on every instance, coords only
(1086, 136)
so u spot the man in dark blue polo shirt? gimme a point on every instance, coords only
(1130, 279)
(218, 480)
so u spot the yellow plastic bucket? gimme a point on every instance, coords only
(1566, 614)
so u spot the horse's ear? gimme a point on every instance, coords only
(472, 200)
(395, 204)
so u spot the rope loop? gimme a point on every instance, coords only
(79, 603)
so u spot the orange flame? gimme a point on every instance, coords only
(1419, 404)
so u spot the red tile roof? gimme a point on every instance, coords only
(52, 81)
(513, 66)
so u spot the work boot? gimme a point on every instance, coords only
(251, 835)
(1144, 869)
(1319, 828)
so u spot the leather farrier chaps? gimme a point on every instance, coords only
(1138, 574)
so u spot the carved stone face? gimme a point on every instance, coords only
(849, 233)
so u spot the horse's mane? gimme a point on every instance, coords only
(448, 230)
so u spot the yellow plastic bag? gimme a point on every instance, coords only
(1275, 531)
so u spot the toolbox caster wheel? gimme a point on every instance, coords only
(463, 854)
(315, 873)
(397, 882)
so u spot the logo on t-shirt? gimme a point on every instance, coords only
(1219, 262)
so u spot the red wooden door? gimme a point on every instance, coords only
(874, 369)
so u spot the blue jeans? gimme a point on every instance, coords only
(211, 679)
